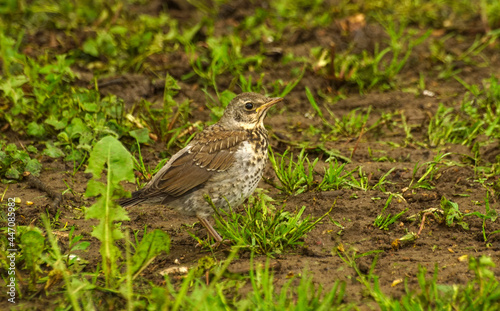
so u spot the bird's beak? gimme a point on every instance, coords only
(272, 102)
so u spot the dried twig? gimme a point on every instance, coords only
(357, 142)
(35, 182)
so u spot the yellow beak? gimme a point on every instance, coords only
(269, 104)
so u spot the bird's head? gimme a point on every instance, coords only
(247, 111)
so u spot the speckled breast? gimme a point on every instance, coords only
(237, 183)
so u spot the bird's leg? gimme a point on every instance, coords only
(210, 229)
(214, 234)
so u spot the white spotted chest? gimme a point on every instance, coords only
(243, 177)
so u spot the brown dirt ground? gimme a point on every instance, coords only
(354, 209)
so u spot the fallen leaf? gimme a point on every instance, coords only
(174, 270)
(396, 282)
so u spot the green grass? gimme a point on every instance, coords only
(298, 176)
(264, 228)
(384, 220)
(295, 176)
(431, 168)
(379, 69)
(481, 293)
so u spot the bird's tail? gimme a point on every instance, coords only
(134, 200)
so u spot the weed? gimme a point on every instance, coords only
(383, 221)
(14, 162)
(478, 294)
(194, 294)
(389, 120)
(335, 176)
(222, 54)
(43, 104)
(348, 125)
(448, 213)
(162, 122)
(119, 167)
(441, 125)
(74, 285)
(295, 176)
(246, 85)
(447, 60)
(430, 172)
(369, 71)
(368, 278)
(144, 173)
(307, 13)
(45, 97)
(152, 244)
(353, 123)
(33, 244)
(282, 88)
(218, 109)
(315, 106)
(452, 214)
(263, 228)
(399, 37)
(380, 185)
(490, 214)
(362, 182)
(307, 296)
(447, 126)
(74, 244)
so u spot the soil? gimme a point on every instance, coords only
(354, 209)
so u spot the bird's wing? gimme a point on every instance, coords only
(195, 164)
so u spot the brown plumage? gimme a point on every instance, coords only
(224, 161)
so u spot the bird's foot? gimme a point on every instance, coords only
(215, 245)
(223, 242)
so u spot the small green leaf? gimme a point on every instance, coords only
(119, 30)
(90, 47)
(90, 107)
(52, 151)
(110, 151)
(58, 124)
(77, 128)
(452, 213)
(33, 166)
(12, 173)
(81, 246)
(463, 224)
(35, 129)
(33, 244)
(63, 137)
(95, 188)
(32, 149)
(150, 246)
(75, 155)
(4, 159)
(11, 148)
(141, 135)
(311, 99)
(21, 155)
(225, 97)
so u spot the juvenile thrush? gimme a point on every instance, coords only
(225, 161)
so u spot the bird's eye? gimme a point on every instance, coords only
(248, 106)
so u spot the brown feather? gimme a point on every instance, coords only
(206, 156)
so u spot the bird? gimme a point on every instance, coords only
(225, 162)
